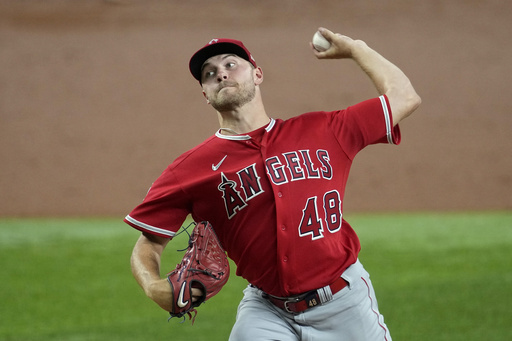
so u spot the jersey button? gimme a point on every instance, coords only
(280, 194)
(285, 259)
(283, 227)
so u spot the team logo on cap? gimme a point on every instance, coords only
(213, 41)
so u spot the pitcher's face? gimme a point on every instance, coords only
(228, 82)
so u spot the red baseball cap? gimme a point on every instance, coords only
(214, 48)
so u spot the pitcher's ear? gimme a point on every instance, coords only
(258, 76)
(207, 100)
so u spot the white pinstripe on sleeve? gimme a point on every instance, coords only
(149, 228)
(387, 119)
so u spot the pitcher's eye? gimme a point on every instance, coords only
(209, 74)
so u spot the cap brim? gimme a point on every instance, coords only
(201, 56)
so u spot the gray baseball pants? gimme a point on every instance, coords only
(351, 315)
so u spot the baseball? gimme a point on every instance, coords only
(320, 43)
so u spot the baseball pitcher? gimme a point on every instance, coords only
(272, 191)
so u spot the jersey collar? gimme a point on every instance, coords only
(244, 137)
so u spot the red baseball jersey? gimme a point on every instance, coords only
(274, 196)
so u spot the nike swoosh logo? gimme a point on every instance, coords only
(180, 302)
(215, 167)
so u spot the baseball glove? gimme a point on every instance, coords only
(204, 266)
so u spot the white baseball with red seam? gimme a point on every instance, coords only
(320, 43)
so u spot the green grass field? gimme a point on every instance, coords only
(439, 276)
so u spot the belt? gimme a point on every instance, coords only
(300, 303)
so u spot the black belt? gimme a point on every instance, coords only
(300, 303)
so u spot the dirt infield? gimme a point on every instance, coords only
(96, 98)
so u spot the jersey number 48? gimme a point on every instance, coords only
(312, 224)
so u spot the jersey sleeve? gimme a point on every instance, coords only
(365, 123)
(163, 210)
